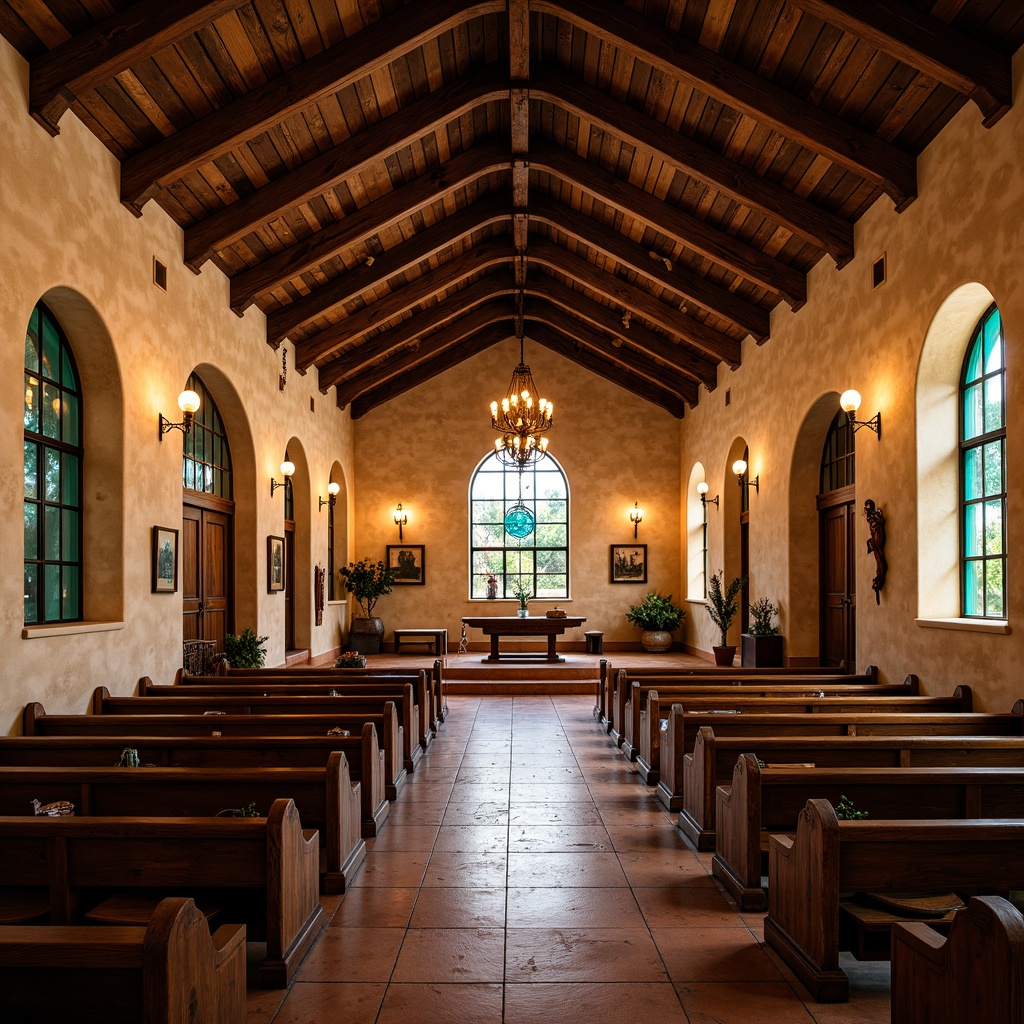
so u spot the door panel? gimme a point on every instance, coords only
(289, 585)
(206, 574)
(189, 573)
(838, 587)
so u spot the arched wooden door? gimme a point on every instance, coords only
(838, 584)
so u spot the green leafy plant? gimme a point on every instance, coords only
(129, 758)
(245, 650)
(368, 582)
(656, 613)
(248, 811)
(522, 589)
(762, 615)
(722, 605)
(845, 811)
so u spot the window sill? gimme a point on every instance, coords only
(513, 601)
(68, 629)
(696, 600)
(336, 604)
(997, 626)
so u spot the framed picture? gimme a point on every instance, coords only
(165, 560)
(629, 563)
(406, 562)
(275, 564)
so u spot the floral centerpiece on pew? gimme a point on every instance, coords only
(351, 659)
(367, 581)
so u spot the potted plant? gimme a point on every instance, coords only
(657, 616)
(521, 588)
(245, 650)
(492, 586)
(722, 608)
(368, 582)
(762, 643)
(351, 659)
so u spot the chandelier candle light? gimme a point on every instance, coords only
(522, 419)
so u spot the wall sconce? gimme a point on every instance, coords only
(739, 467)
(702, 490)
(636, 517)
(188, 403)
(849, 401)
(332, 495)
(401, 518)
(287, 468)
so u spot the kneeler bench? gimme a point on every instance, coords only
(436, 638)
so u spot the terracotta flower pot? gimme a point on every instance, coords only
(724, 655)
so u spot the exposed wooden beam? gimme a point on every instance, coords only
(329, 169)
(931, 46)
(636, 300)
(778, 204)
(59, 76)
(676, 224)
(329, 72)
(367, 221)
(692, 287)
(555, 341)
(884, 165)
(421, 246)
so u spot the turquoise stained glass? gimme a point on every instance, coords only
(519, 521)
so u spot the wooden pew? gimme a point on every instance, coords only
(642, 741)
(363, 754)
(325, 798)
(976, 974)
(270, 864)
(692, 768)
(36, 722)
(169, 972)
(763, 800)
(808, 871)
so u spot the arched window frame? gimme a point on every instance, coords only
(838, 455)
(206, 457)
(495, 552)
(53, 460)
(982, 471)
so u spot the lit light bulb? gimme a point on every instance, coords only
(849, 401)
(739, 467)
(188, 401)
(702, 488)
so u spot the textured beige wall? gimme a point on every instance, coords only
(965, 227)
(67, 237)
(422, 448)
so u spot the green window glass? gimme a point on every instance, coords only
(838, 455)
(206, 460)
(983, 472)
(52, 474)
(542, 556)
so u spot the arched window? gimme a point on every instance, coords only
(206, 459)
(542, 555)
(838, 455)
(53, 474)
(983, 472)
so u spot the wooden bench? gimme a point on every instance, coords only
(364, 756)
(690, 765)
(436, 638)
(325, 798)
(763, 800)
(169, 972)
(976, 974)
(827, 857)
(269, 865)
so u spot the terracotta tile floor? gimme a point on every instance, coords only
(527, 875)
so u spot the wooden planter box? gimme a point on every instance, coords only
(762, 651)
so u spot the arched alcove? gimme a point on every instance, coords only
(340, 519)
(695, 572)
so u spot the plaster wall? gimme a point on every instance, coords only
(421, 449)
(966, 226)
(67, 238)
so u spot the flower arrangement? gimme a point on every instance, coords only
(522, 589)
(351, 659)
(368, 581)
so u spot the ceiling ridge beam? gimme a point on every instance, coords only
(927, 44)
(368, 220)
(397, 260)
(380, 140)
(61, 75)
(819, 227)
(887, 167)
(328, 72)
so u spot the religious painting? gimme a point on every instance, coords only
(275, 564)
(406, 563)
(629, 563)
(165, 560)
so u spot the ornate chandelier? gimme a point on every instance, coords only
(521, 418)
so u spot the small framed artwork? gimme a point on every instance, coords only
(406, 562)
(275, 564)
(629, 563)
(165, 560)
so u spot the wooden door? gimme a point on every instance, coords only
(289, 585)
(838, 602)
(206, 561)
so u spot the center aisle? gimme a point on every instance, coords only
(525, 875)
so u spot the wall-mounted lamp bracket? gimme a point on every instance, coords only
(636, 517)
(401, 519)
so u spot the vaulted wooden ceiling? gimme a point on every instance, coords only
(633, 184)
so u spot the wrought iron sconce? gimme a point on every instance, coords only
(849, 401)
(401, 519)
(287, 468)
(636, 517)
(739, 467)
(188, 403)
(702, 490)
(332, 495)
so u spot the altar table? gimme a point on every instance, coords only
(497, 626)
